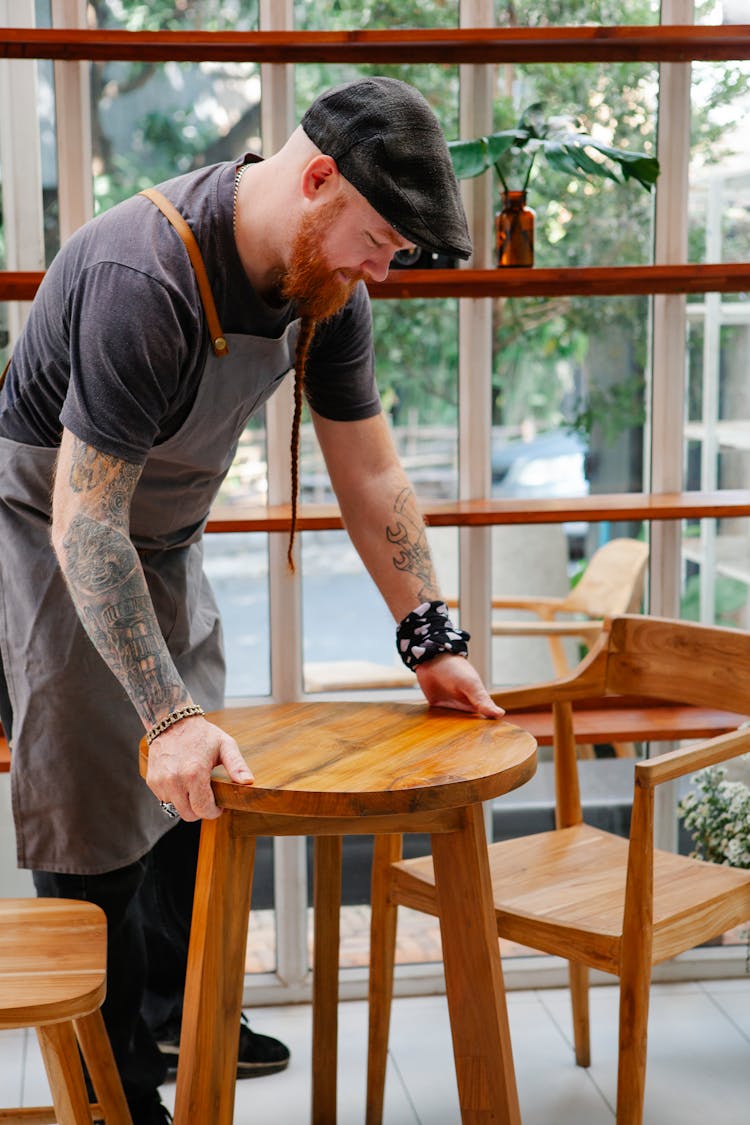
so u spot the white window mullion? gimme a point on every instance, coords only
(20, 160)
(669, 358)
(669, 331)
(73, 126)
(290, 858)
(475, 359)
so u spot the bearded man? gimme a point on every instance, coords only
(160, 328)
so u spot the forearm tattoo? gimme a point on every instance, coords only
(408, 534)
(108, 587)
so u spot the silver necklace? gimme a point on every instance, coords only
(237, 181)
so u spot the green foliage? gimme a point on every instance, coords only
(730, 597)
(416, 352)
(717, 817)
(564, 144)
(614, 409)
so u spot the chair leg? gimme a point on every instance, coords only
(473, 975)
(631, 1071)
(97, 1051)
(383, 920)
(62, 1062)
(209, 1036)
(579, 999)
(327, 912)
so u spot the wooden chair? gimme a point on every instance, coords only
(611, 584)
(53, 978)
(577, 892)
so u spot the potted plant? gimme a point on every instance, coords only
(717, 816)
(513, 152)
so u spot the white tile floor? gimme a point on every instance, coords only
(699, 1061)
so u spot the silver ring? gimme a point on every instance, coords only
(168, 808)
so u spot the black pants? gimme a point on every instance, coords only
(148, 906)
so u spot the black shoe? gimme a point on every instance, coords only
(257, 1055)
(148, 1111)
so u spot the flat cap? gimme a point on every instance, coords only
(388, 144)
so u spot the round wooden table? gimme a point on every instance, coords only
(330, 770)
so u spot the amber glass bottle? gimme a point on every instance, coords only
(514, 231)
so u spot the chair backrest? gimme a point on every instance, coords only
(645, 657)
(682, 661)
(612, 583)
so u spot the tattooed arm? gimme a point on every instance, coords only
(385, 525)
(90, 535)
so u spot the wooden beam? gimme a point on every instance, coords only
(481, 513)
(589, 281)
(451, 47)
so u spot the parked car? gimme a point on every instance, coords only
(553, 464)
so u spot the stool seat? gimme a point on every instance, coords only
(53, 962)
(330, 769)
(53, 958)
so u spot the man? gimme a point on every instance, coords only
(125, 398)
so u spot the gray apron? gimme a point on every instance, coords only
(79, 803)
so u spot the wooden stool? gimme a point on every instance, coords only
(328, 770)
(53, 957)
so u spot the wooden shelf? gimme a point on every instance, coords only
(589, 281)
(665, 43)
(592, 281)
(485, 513)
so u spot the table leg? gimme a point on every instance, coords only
(207, 1068)
(327, 910)
(473, 975)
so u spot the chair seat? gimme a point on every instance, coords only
(583, 919)
(52, 960)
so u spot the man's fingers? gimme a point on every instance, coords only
(487, 707)
(235, 764)
(202, 803)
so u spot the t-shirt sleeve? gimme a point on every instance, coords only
(130, 338)
(340, 373)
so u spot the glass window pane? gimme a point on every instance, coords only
(152, 121)
(537, 13)
(597, 218)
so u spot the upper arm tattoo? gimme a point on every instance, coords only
(408, 534)
(105, 480)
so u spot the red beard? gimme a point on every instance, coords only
(317, 292)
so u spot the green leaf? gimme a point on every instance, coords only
(564, 149)
(574, 159)
(471, 158)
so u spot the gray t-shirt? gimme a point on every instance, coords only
(115, 341)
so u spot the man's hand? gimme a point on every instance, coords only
(451, 681)
(180, 762)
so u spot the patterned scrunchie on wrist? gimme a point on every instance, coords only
(428, 631)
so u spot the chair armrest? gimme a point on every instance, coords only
(587, 629)
(677, 763)
(586, 681)
(528, 602)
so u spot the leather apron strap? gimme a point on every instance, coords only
(218, 342)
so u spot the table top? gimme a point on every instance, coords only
(338, 759)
